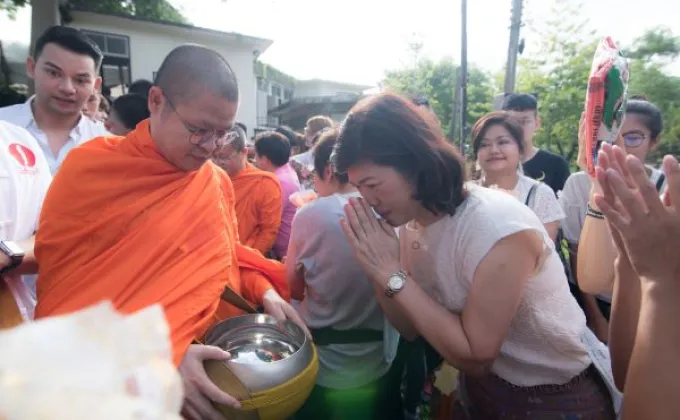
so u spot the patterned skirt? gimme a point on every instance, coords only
(585, 397)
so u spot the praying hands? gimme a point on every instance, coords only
(648, 228)
(374, 241)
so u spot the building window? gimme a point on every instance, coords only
(277, 90)
(111, 45)
(115, 69)
(262, 84)
(287, 94)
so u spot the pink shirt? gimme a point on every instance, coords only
(289, 185)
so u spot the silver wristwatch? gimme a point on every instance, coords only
(395, 283)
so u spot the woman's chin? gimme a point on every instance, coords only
(500, 167)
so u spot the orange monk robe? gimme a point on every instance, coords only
(258, 207)
(120, 223)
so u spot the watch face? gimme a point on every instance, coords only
(396, 282)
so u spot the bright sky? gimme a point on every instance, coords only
(358, 40)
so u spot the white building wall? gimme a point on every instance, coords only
(150, 43)
(316, 88)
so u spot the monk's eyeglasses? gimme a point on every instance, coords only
(199, 136)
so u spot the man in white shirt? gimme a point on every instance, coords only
(24, 180)
(65, 70)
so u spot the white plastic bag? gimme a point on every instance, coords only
(95, 363)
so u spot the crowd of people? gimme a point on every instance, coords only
(373, 234)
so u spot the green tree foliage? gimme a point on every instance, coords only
(11, 6)
(152, 9)
(558, 75)
(650, 54)
(559, 69)
(438, 81)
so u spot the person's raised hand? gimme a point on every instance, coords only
(649, 229)
(199, 391)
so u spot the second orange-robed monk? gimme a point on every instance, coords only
(257, 194)
(147, 218)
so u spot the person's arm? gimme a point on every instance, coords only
(623, 325)
(29, 265)
(552, 229)
(654, 369)
(596, 320)
(471, 341)
(294, 268)
(548, 209)
(269, 216)
(598, 253)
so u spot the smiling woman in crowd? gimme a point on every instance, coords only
(498, 148)
(473, 271)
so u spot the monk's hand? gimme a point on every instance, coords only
(199, 391)
(375, 242)
(277, 307)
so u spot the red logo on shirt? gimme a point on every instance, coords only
(23, 155)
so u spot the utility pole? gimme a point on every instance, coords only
(455, 109)
(513, 47)
(463, 77)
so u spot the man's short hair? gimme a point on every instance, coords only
(70, 39)
(520, 102)
(131, 109)
(140, 87)
(273, 146)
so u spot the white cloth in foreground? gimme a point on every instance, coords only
(92, 364)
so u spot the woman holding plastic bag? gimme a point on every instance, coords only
(635, 134)
(24, 180)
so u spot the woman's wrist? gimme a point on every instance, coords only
(594, 190)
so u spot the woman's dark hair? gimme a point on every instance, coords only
(131, 109)
(649, 114)
(502, 118)
(389, 130)
(273, 146)
(322, 151)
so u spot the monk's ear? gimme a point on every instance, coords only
(156, 101)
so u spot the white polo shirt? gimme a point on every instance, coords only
(24, 180)
(22, 115)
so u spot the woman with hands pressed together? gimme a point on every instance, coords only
(473, 271)
(646, 231)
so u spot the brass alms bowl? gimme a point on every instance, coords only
(272, 370)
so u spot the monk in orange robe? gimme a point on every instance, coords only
(147, 218)
(258, 195)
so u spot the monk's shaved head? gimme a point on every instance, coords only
(192, 69)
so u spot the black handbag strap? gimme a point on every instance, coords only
(327, 335)
(660, 181)
(530, 195)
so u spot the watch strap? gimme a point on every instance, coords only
(15, 260)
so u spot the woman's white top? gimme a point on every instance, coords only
(543, 345)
